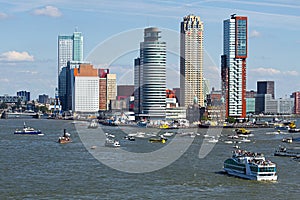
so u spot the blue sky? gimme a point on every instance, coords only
(29, 30)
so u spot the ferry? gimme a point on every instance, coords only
(251, 166)
(28, 131)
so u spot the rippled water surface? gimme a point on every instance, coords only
(37, 167)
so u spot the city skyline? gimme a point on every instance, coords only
(28, 56)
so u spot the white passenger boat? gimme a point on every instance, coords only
(251, 166)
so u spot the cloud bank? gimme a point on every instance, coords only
(50, 11)
(14, 56)
(3, 15)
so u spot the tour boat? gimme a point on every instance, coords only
(251, 166)
(28, 131)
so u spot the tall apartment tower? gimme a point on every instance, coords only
(150, 76)
(191, 61)
(233, 65)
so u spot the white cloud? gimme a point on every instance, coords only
(255, 34)
(12, 56)
(50, 11)
(271, 72)
(3, 16)
(265, 71)
(5, 80)
(291, 73)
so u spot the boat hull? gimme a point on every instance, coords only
(250, 177)
(28, 132)
(61, 141)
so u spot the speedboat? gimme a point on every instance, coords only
(28, 131)
(65, 138)
(251, 166)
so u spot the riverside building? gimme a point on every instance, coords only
(70, 48)
(233, 66)
(150, 77)
(191, 61)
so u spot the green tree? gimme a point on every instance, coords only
(231, 120)
(3, 105)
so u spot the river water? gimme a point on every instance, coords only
(37, 167)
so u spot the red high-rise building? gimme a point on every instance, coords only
(233, 66)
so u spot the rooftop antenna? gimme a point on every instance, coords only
(76, 29)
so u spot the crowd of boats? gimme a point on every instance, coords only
(242, 164)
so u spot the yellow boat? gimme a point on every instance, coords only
(242, 131)
(164, 126)
(162, 140)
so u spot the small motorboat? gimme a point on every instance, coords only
(111, 141)
(130, 138)
(65, 138)
(242, 131)
(287, 140)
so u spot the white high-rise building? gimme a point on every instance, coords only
(85, 91)
(151, 72)
(65, 51)
(191, 61)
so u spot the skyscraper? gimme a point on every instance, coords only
(77, 46)
(233, 66)
(266, 87)
(70, 48)
(150, 76)
(191, 61)
(65, 51)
